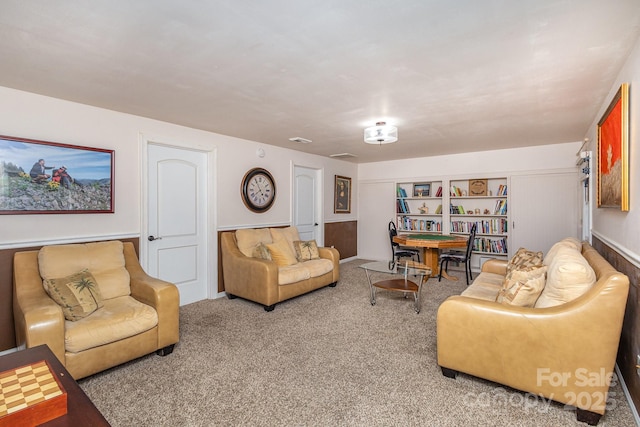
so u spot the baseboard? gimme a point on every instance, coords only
(627, 395)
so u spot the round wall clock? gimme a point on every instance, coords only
(258, 190)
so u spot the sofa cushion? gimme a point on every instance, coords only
(104, 260)
(120, 318)
(281, 253)
(292, 274)
(303, 270)
(287, 234)
(486, 286)
(77, 294)
(568, 242)
(524, 258)
(568, 276)
(523, 286)
(306, 250)
(248, 238)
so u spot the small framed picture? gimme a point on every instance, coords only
(342, 201)
(422, 189)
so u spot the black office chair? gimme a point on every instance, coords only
(398, 251)
(460, 257)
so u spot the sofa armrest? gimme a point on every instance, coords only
(497, 266)
(333, 255)
(250, 278)
(38, 319)
(161, 295)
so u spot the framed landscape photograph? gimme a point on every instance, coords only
(422, 189)
(342, 202)
(41, 177)
(613, 153)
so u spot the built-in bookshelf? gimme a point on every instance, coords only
(419, 207)
(484, 202)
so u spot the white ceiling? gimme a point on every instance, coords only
(454, 76)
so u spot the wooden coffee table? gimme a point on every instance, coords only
(80, 410)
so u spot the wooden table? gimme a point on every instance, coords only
(430, 244)
(80, 410)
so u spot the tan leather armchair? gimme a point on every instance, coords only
(564, 353)
(40, 320)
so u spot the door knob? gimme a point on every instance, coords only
(152, 238)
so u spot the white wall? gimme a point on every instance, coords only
(377, 178)
(32, 116)
(622, 229)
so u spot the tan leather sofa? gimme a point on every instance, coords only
(263, 280)
(564, 353)
(139, 313)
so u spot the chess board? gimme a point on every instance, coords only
(29, 394)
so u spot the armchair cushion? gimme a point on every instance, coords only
(77, 294)
(105, 261)
(120, 318)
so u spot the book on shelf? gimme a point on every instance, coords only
(500, 208)
(439, 192)
(455, 191)
(502, 190)
(439, 209)
(402, 192)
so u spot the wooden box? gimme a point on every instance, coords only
(30, 395)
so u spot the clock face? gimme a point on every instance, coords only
(258, 190)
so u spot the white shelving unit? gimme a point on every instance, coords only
(419, 207)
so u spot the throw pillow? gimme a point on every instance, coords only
(248, 238)
(77, 294)
(523, 286)
(568, 277)
(306, 250)
(281, 253)
(261, 251)
(524, 258)
(287, 234)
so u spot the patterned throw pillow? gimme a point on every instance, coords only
(523, 286)
(261, 251)
(306, 250)
(77, 294)
(524, 258)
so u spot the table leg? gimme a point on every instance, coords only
(431, 258)
(372, 289)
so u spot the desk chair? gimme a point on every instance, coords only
(460, 257)
(398, 251)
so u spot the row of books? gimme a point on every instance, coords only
(496, 246)
(502, 190)
(402, 206)
(402, 193)
(491, 226)
(413, 224)
(500, 208)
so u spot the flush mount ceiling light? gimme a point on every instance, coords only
(381, 133)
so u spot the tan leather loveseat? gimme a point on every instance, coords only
(564, 352)
(127, 315)
(265, 265)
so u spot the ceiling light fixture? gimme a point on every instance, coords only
(381, 133)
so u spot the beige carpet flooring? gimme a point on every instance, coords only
(328, 358)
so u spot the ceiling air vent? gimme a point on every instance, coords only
(342, 155)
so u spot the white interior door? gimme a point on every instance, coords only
(177, 219)
(306, 204)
